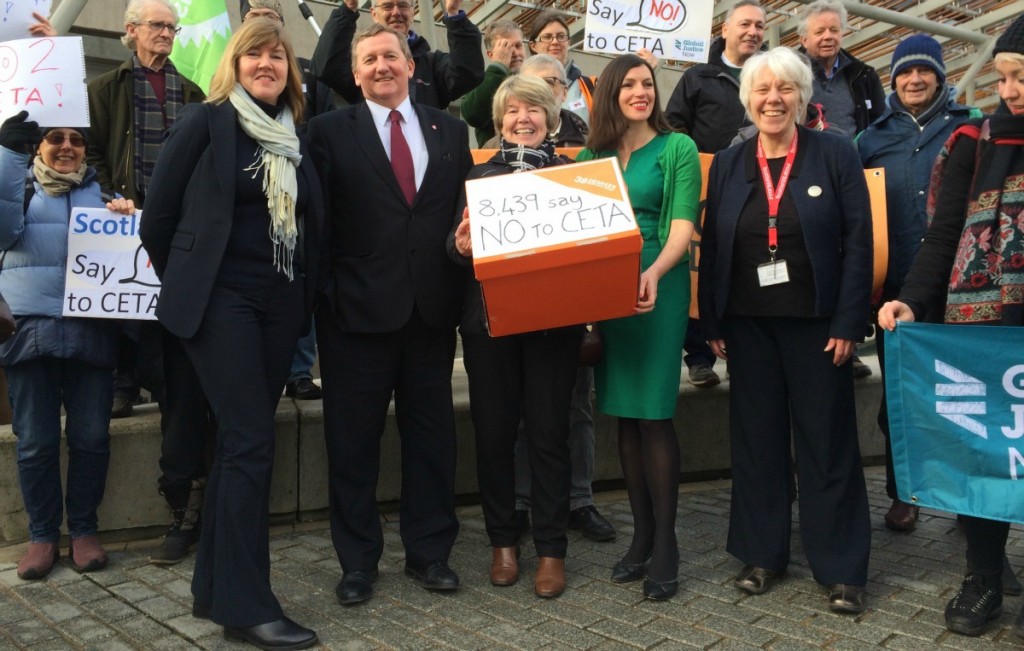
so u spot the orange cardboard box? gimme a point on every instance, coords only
(554, 247)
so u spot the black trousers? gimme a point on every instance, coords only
(186, 422)
(883, 417)
(782, 381)
(529, 376)
(360, 372)
(242, 354)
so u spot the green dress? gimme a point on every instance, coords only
(643, 354)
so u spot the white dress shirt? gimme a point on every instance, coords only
(410, 129)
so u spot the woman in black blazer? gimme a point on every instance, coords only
(788, 299)
(527, 376)
(232, 226)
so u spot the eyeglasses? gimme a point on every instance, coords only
(57, 139)
(553, 81)
(390, 6)
(547, 38)
(158, 26)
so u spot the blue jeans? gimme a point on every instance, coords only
(38, 388)
(305, 355)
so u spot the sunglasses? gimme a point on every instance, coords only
(57, 139)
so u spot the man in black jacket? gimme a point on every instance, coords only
(848, 88)
(706, 101)
(439, 77)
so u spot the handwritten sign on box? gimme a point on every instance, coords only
(517, 213)
(46, 77)
(109, 275)
(671, 29)
(16, 17)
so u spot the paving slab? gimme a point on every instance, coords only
(133, 605)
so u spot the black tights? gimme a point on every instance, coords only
(986, 546)
(649, 453)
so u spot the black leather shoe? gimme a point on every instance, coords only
(201, 610)
(624, 572)
(844, 598)
(303, 389)
(278, 635)
(660, 590)
(591, 523)
(755, 580)
(435, 576)
(355, 587)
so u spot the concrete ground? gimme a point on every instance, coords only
(134, 605)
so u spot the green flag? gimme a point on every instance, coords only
(205, 30)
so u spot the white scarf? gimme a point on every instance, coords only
(279, 158)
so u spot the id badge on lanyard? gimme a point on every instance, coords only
(775, 271)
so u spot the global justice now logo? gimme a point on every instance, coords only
(962, 401)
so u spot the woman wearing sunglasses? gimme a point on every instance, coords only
(51, 361)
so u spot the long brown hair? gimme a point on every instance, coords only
(254, 34)
(607, 124)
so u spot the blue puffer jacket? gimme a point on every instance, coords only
(896, 142)
(35, 247)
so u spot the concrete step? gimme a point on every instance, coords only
(133, 509)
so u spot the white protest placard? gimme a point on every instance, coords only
(16, 17)
(46, 77)
(109, 275)
(671, 29)
(514, 214)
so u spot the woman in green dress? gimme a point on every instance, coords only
(638, 380)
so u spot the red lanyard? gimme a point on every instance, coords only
(773, 194)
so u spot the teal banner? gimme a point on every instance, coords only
(956, 417)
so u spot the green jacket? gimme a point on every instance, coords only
(679, 160)
(112, 127)
(477, 104)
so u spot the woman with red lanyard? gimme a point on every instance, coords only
(784, 289)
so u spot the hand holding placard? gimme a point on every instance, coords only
(46, 77)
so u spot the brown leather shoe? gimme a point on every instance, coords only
(504, 566)
(38, 560)
(550, 579)
(87, 554)
(901, 516)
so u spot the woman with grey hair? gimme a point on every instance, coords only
(784, 289)
(528, 375)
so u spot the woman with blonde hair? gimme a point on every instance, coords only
(232, 226)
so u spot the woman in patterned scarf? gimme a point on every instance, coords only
(528, 375)
(969, 270)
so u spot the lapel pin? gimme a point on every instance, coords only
(434, 127)
(814, 191)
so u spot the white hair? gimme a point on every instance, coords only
(821, 7)
(787, 65)
(133, 16)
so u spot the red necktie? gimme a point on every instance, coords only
(401, 159)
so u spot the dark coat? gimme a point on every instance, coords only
(706, 103)
(187, 222)
(439, 79)
(836, 226)
(112, 128)
(907, 152)
(384, 257)
(865, 87)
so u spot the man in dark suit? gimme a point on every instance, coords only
(393, 173)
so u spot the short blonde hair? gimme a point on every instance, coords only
(1009, 57)
(254, 34)
(532, 90)
(787, 65)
